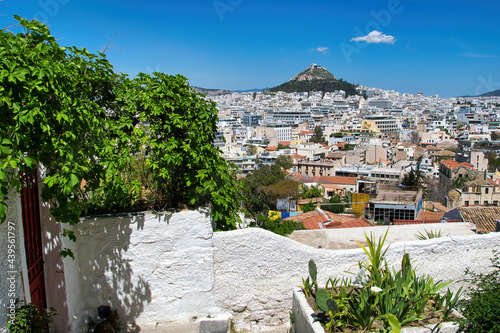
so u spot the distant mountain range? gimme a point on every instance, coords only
(211, 92)
(495, 93)
(315, 78)
(251, 90)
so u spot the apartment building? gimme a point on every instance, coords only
(474, 193)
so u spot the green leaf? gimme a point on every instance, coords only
(74, 180)
(322, 297)
(67, 253)
(394, 322)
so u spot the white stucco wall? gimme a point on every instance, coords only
(155, 269)
(256, 271)
(152, 268)
(13, 271)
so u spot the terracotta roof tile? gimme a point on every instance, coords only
(485, 218)
(452, 165)
(355, 223)
(337, 180)
(407, 222)
(319, 219)
(430, 216)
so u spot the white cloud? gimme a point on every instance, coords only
(476, 55)
(322, 49)
(375, 37)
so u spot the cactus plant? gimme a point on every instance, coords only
(332, 306)
(313, 273)
(322, 296)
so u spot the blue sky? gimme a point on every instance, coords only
(450, 48)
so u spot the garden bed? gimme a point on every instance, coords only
(304, 319)
(377, 298)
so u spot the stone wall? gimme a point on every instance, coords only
(152, 268)
(159, 269)
(256, 271)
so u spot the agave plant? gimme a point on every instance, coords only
(428, 234)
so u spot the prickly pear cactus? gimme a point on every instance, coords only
(313, 271)
(322, 296)
(332, 306)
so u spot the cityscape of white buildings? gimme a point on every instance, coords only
(377, 134)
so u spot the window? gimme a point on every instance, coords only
(466, 204)
(486, 190)
(486, 203)
(476, 202)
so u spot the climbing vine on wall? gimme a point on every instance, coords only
(88, 129)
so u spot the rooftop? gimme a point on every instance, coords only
(485, 218)
(336, 239)
(452, 165)
(397, 196)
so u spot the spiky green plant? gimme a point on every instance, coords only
(376, 254)
(429, 234)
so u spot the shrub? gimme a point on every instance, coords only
(481, 310)
(308, 207)
(29, 319)
(279, 226)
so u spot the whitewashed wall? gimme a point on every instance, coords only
(152, 268)
(156, 268)
(256, 271)
(12, 289)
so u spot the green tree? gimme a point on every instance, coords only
(281, 146)
(412, 179)
(311, 192)
(284, 161)
(308, 207)
(459, 182)
(286, 188)
(178, 144)
(54, 104)
(337, 209)
(65, 110)
(278, 226)
(253, 195)
(493, 161)
(251, 149)
(318, 136)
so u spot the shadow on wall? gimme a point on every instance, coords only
(106, 274)
(54, 269)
